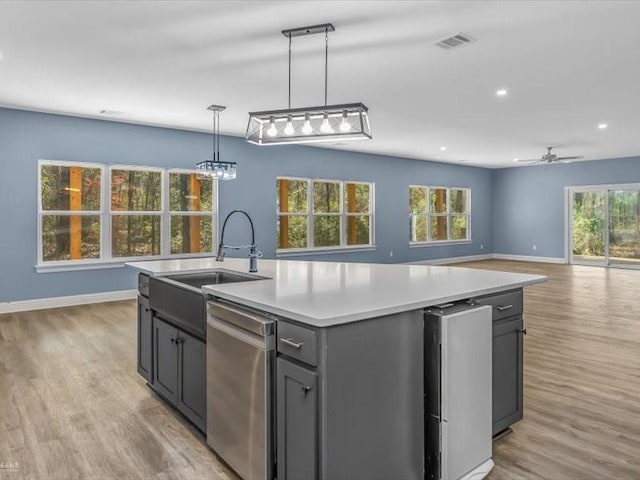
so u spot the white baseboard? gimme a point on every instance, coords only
(489, 256)
(529, 258)
(442, 261)
(55, 302)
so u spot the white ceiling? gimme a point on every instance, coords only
(567, 66)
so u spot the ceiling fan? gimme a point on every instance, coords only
(551, 158)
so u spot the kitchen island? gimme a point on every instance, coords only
(347, 396)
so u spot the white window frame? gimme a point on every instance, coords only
(106, 259)
(429, 242)
(124, 213)
(42, 212)
(166, 225)
(343, 247)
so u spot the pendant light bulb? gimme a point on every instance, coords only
(272, 131)
(289, 130)
(306, 128)
(326, 126)
(345, 126)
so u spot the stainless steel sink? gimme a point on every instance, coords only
(215, 277)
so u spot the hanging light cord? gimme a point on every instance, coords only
(216, 135)
(289, 71)
(217, 118)
(326, 62)
(326, 65)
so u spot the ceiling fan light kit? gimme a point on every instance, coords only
(550, 157)
(324, 123)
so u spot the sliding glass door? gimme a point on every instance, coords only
(605, 226)
(588, 232)
(624, 227)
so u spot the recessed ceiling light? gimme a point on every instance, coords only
(443, 148)
(602, 126)
(516, 159)
(501, 92)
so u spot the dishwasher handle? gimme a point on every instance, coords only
(241, 318)
(262, 343)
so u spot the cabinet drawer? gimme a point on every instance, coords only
(504, 305)
(298, 342)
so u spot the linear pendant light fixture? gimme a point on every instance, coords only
(324, 123)
(215, 167)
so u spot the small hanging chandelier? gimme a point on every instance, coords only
(216, 168)
(325, 123)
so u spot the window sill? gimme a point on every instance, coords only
(438, 243)
(56, 267)
(296, 252)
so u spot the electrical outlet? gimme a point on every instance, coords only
(534, 247)
(391, 254)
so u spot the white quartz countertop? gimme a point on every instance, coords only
(323, 294)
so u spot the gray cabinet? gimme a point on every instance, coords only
(297, 429)
(507, 372)
(165, 360)
(179, 365)
(192, 379)
(145, 333)
(350, 400)
(507, 365)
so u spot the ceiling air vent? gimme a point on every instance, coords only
(111, 112)
(457, 40)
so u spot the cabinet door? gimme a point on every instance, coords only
(297, 398)
(145, 339)
(165, 360)
(192, 379)
(507, 373)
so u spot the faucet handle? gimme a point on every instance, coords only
(255, 253)
(220, 254)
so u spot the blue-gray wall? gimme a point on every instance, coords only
(26, 137)
(528, 202)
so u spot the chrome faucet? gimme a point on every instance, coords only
(254, 253)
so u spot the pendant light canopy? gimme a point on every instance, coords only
(215, 167)
(325, 123)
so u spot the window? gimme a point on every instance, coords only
(324, 214)
(136, 212)
(70, 219)
(439, 214)
(191, 213)
(89, 213)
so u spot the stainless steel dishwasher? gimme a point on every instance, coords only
(240, 363)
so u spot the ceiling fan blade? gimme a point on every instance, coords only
(528, 161)
(570, 158)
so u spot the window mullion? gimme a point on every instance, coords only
(310, 229)
(105, 243)
(343, 216)
(449, 217)
(165, 219)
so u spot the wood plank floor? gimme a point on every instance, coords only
(73, 406)
(582, 376)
